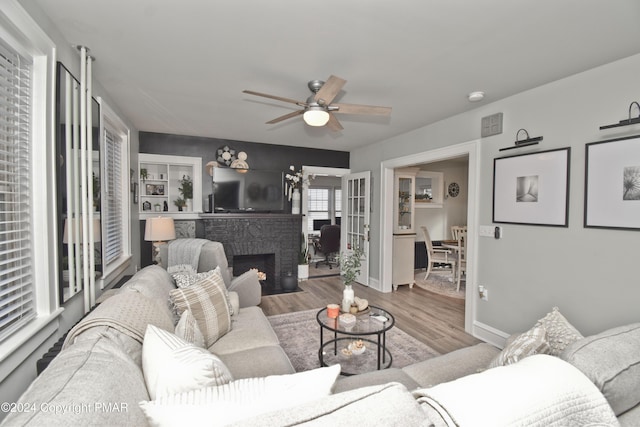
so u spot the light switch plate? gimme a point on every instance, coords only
(487, 231)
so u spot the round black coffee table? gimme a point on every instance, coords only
(368, 328)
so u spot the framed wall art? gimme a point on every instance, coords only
(612, 184)
(532, 189)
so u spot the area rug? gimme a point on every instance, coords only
(440, 282)
(299, 335)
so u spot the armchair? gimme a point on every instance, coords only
(212, 255)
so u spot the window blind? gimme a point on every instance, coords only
(17, 305)
(113, 245)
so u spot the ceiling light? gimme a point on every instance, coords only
(476, 96)
(316, 116)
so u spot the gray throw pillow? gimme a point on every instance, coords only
(611, 360)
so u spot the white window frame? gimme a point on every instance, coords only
(111, 121)
(20, 31)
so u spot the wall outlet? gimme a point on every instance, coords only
(483, 293)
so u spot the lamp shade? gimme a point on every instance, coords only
(316, 116)
(159, 229)
(69, 233)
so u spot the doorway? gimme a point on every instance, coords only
(321, 205)
(469, 149)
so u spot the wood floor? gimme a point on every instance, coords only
(436, 320)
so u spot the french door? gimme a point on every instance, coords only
(355, 219)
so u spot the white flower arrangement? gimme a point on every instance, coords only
(293, 180)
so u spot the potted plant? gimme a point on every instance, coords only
(350, 263)
(180, 203)
(144, 174)
(303, 258)
(186, 190)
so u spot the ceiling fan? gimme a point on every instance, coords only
(318, 108)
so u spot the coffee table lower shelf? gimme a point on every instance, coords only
(375, 357)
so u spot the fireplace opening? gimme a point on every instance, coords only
(265, 263)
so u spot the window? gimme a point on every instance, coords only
(17, 303)
(115, 207)
(323, 203)
(28, 302)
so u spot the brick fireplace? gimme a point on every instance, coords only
(257, 240)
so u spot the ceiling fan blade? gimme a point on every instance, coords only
(334, 124)
(285, 117)
(362, 109)
(329, 90)
(277, 98)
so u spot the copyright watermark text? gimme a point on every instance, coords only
(62, 408)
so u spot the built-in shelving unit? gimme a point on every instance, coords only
(160, 182)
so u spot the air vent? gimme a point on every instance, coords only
(491, 125)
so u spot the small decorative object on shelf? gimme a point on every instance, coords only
(144, 174)
(240, 162)
(180, 204)
(186, 189)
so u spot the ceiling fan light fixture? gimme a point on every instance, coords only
(316, 116)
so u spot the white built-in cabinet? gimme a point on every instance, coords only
(404, 234)
(160, 182)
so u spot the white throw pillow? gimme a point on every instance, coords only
(560, 333)
(187, 329)
(172, 365)
(534, 341)
(240, 399)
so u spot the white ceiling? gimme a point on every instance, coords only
(179, 66)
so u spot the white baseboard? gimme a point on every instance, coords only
(374, 284)
(489, 334)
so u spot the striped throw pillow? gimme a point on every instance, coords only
(207, 302)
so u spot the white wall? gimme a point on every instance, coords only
(588, 273)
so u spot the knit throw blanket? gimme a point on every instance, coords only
(538, 391)
(184, 254)
(128, 312)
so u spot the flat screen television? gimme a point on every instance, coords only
(248, 190)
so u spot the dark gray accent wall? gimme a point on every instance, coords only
(260, 156)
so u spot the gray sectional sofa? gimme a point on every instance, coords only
(97, 379)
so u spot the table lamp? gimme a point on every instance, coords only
(158, 230)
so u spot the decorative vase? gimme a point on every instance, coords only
(303, 271)
(295, 202)
(289, 282)
(189, 205)
(347, 298)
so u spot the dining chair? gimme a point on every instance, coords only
(456, 230)
(437, 255)
(462, 256)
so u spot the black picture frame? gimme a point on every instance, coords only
(612, 184)
(532, 188)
